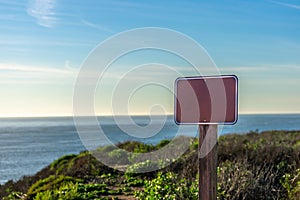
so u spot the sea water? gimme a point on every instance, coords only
(29, 144)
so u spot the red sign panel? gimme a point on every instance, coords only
(206, 100)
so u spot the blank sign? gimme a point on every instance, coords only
(206, 100)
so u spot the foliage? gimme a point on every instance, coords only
(162, 143)
(119, 156)
(50, 183)
(131, 181)
(251, 166)
(142, 167)
(61, 161)
(15, 195)
(136, 147)
(74, 191)
(291, 182)
(168, 186)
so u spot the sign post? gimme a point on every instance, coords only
(206, 101)
(207, 164)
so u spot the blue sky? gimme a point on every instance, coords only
(44, 43)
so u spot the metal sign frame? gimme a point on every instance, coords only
(204, 79)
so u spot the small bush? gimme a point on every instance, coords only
(118, 156)
(73, 191)
(15, 196)
(50, 183)
(291, 182)
(168, 186)
(133, 181)
(162, 143)
(136, 147)
(62, 161)
(142, 167)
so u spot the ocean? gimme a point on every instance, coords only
(29, 144)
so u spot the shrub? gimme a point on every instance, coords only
(142, 167)
(72, 191)
(162, 143)
(136, 147)
(168, 186)
(291, 182)
(131, 181)
(242, 180)
(61, 161)
(15, 196)
(118, 156)
(50, 183)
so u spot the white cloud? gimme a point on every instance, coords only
(13, 73)
(20, 41)
(261, 67)
(285, 4)
(283, 66)
(96, 26)
(24, 68)
(43, 11)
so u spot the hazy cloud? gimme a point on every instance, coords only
(263, 68)
(43, 11)
(14, 73)
(10, 67)
(96, 26)
(285, 4)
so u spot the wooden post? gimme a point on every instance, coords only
(207, 155)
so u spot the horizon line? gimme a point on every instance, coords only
(138, 114)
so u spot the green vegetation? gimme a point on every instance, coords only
(252, 166)
(168, 186)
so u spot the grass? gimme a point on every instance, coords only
(256, 165)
